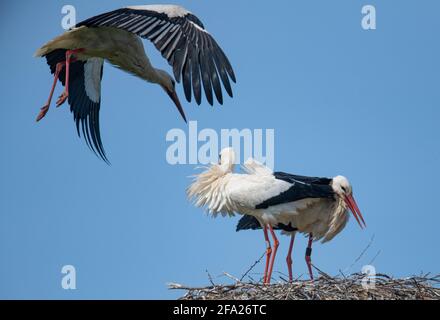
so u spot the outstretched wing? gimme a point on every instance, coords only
(181, 38)
(84, 96)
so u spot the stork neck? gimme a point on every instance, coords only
(161, 77)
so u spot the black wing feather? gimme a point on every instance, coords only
(248, 222)
(251, 223)
(195, 75)
(206, 76)
(213, 71)
(292, 178)
(179, 58)
(187, 79)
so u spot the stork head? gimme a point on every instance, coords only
(343, 190)
(169, 86)
(226, 159)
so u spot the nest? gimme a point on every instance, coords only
(325, 287)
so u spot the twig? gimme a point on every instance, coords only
(321, 272)
(374, 258)
(362, 253)
(210, 278)
(231, 277)
(252, 266)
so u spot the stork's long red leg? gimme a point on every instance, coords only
(289, 257)
(268, 254)
(69, 53)
(274, 253)
(308, 256)
(45, 108)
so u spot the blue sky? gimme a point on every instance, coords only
(341, 100)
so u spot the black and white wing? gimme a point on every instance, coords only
(181, 38)
(84, 96)
(262, 191)
(298, 190)
(300, 187)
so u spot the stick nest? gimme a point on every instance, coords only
(325, 287)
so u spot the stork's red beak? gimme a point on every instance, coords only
(175, 98)
(351, 203)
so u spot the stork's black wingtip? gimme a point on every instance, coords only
(232, 76)
(104, 158)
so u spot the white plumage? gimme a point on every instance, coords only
(92, 78)
(170, 10)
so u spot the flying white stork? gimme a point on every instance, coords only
(318, 206)
(76, 59)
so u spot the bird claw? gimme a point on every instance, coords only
(43, 112)
(62, 98)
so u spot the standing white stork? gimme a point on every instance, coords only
(322, 218)
(318, 206)
(76, 59)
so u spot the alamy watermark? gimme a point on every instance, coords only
(68, 281)
(69, 19)
(203, 147)
(369, 279)
(368, 21)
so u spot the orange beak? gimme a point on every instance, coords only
(351, 203)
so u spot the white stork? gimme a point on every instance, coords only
(317, 206)
(76, 59)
